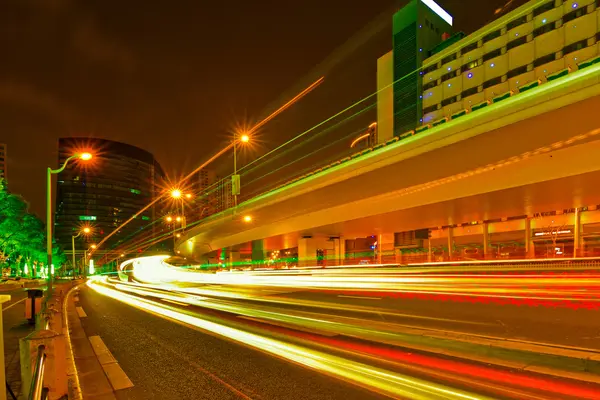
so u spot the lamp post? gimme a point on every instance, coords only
(49, 223)
(177, 194)
(84, 231)
(235, 178)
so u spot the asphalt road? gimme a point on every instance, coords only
(166, 360)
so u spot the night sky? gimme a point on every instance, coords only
(175, 77)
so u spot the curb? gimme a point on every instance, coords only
(74, 388)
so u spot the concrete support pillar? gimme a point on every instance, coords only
(385, 245)
(450, 244)
(339, 251)
(398, 254)
(486, 241)
(529, 250)
(577, 248)
(55, 372)
(233, 258)
(258, 251)
(379, 249)
(307, 252)
(429, 251)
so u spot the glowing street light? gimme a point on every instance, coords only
(235, 178)
(93, 246)
(49, 222)
(247, 218)
(85, 231)
(188, 195)
(169, 218)
(178, 219)
(176, 193)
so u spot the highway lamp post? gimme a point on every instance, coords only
(177, 194)
(84, 231)
(49, 221)
(85, 256)
(235, 178)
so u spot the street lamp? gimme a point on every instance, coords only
(84, 231)
(235, 178)
(176, 193)
(49, 221)
(247, 218)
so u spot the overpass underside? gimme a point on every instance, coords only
(519, 167)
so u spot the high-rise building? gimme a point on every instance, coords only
(224, 195)
(431, 76)
(3, 160)
(118, 182)
(206, 187)
(417, 29)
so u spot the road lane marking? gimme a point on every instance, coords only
(115, 374)
(80, 312)
(14, 304)
(360, 297)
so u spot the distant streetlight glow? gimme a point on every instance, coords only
(244, 138)
(86, 230)
(176, 193)
(93, 246)
(178, 219)
(247, 218)
(188, 195)
(85, 156)
(169, 218)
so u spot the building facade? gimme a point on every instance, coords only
(454, 75)
(3, 161)
(118, 182)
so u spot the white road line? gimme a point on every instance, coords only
(14, 304)
(80, 312)
(115, 374)
(176, 302)
(361, 297)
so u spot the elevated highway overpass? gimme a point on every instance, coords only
(530, 153)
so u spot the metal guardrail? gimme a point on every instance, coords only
(38, 391)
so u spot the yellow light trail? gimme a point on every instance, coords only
(372, 378)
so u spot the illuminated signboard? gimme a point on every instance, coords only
(87, 217)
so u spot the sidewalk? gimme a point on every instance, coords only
(16, 327)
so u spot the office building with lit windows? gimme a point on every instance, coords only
(432, 76)
(119, 181)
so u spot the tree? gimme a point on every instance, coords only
(22, 235)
